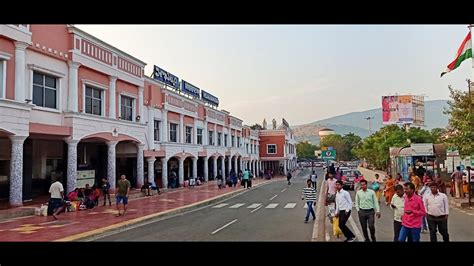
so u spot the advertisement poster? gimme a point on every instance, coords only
(390, 110)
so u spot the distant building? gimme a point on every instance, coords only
(324, 132)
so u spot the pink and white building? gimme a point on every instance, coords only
(76, 108)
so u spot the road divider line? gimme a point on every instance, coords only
(271, 206)
(257, 209)
(284, 190)
(253, 206)
(227, 224)
(238, 205)
(274, 197)
(290, 205)
(357, 232)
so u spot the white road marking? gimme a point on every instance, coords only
(229, 223)
(356, 232)
(238, 205)
(273, 197)
(220, 205)
(271, 206)
(257, 209)
(290, 205)
(284, 190)
(253, 206)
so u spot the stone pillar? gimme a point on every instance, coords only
(206, 168)
(195, 167)
(236, 169)
(140, 165)
(151, 170)
(73, 86)
(215, 134)
(140, 103)
(214, 167)
(181, 129)
(112, 97)
(284, 167)
(20, 71)
(164, 174)
(71, 164)
(181, 172)
(223, 167)
(241, 164)
(111, 174)
(164, 132)
(229, 164)
(16, 171)
(205, 136)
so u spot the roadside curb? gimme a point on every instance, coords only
(124, 225)
(319, 229)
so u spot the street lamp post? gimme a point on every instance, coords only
(368, 119)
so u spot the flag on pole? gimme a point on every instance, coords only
(464, 52)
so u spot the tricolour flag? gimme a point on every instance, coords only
(464, 52)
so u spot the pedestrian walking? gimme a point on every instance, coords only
(437, 209)
(398, 204)
(56, 201)
(413, 213)
(343, 211)
(309, 194)
(245, 178)
(288, 177)
(367, 207)
(123, 189)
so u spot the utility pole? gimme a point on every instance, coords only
(368, 119)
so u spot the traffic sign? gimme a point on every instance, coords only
(329, 155)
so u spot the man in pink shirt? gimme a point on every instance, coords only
(414, 211)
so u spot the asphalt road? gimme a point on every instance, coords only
(271, 212)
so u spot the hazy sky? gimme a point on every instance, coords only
(302, 73)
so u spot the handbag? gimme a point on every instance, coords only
(375, 186)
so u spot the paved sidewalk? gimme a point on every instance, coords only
(81, 224)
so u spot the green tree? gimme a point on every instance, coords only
(337, 142)
(305, 150)
(460, 132)
(256, 126)
(438, 134)
(351, 140)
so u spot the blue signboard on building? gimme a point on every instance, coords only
(190, 89)
(166, 77)
(209, 98)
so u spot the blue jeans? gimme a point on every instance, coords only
(310, 210)
(414, 232)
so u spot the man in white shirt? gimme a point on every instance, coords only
(398, 204)
(56, 204)
(437, 211)
(343, 211)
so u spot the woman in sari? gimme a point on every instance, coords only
(389, 189)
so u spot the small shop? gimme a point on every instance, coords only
(430, 156)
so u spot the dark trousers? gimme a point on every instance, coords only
(314, 184)
(343, 217)
(367, 216)
(440, 222)
(106, 195)
(397, 226)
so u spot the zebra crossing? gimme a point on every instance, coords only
(289, 205)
